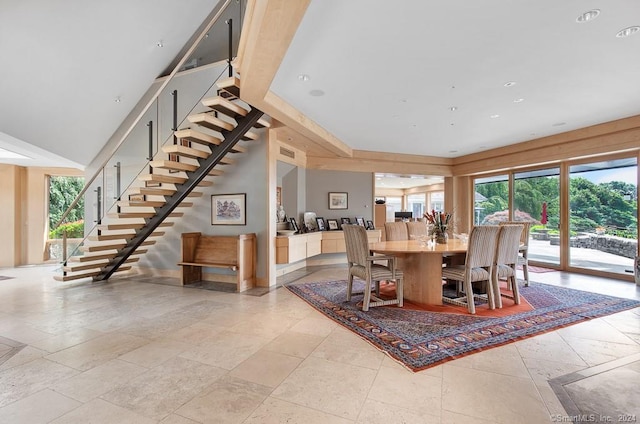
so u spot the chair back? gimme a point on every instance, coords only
(416, 229)
(526, 227)
(396, 231)
(508, 244)
(357, 244)
(482, 246)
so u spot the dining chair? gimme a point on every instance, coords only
(505, 263)
(364, 265)
(523, 253)
(416, 229)
(477, 268)
(396, 231)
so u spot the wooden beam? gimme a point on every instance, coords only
(269, 27)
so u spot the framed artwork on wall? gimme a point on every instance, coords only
(229, 209)
(338, 200)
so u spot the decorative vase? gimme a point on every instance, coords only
(442, 238)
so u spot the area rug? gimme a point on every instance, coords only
(419, 338)
(538, 269)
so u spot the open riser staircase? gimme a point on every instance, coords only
(199, 154)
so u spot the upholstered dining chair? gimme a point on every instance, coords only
(477, 268)
(396, 231)
(523, 253)
(505, 263)
(416, 229)
(364, 265)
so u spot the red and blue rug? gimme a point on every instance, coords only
(421, 338)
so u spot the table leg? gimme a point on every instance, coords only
(422, 277)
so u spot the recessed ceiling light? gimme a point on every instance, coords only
(118, 99)
(495, 116)
(453, 108)
(559, 124)
(518, 100)
(316, 93)
(509, 84)
(453, 151)
(160, 43)
(588, 16)
(623, 33)
(304, 77)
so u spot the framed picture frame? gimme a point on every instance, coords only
(332, 224)
(360, 221)
(137, 198)
(320, 223)
(369, 225)
(294, 225)
(229, 209)
(309, 221)
(338, 200)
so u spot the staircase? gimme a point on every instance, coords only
(200, 153)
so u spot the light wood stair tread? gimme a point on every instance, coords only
(122, 236)
(196, 136)
(208, 121)
(97, 264)
(149, 204)
(129, 226)
(131, 215)
(160, 191)
(185, 151)
(162, 178)
(225, 106)
(85, 274)
(173, 165)
(230, 85)
(95, 257)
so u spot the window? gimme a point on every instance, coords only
(491, 203)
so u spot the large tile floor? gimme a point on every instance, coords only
(129, 351)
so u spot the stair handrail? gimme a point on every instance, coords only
(152, 100)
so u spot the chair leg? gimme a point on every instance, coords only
(497, 298)
(471, 305)
(490, 294)
(525, 270)
(400, 291)
(516, 290)
(349, 287)
(367, 295)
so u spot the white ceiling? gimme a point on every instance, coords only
(65, 62)
(390, 71)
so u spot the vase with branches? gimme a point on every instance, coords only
(438, 224)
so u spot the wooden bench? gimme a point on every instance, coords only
(237, 253)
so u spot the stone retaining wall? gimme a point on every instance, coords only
(619, 246)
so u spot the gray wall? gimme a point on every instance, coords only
(357, 185)
(247, 175)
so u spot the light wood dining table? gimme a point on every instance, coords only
(421, 265)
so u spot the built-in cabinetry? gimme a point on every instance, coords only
(382, 213)
(294, 248)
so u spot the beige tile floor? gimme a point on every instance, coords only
(135, 352)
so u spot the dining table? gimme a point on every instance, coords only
(421, 264)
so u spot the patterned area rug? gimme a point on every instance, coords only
(420, 339)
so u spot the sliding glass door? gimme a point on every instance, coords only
(536, 199)
(603, 217)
